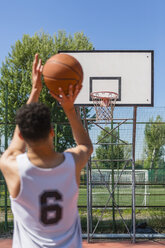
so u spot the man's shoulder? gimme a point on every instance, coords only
(8, 158)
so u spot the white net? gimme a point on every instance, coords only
(104, 103)
(141, 176)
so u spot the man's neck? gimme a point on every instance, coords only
(42, 154)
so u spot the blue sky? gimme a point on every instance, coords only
(109, 25)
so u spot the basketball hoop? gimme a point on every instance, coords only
(104, 103)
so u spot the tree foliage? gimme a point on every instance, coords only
(107, 151)
(15, 81)
(154, 143)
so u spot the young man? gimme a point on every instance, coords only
(43, 184)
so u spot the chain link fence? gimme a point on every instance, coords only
(149, 176)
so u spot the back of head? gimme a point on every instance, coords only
(34, 121)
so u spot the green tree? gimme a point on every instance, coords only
(154, 143)
(105, 151)
(139, 164)
(15, 81)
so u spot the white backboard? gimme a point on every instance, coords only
(128, 73)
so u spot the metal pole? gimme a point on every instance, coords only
(113, 181)
(127, 236)
(118, 167)
(89, 189)
(133, 174)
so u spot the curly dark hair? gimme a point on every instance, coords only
(34, 121)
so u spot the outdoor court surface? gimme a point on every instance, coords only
(6, 243)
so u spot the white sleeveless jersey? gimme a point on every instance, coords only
(45, 211)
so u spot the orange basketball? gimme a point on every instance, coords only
(62, 70)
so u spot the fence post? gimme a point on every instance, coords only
(133, 174)
(89, 188)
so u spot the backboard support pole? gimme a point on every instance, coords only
(133, 174)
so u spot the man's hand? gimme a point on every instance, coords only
(67, 102)
(36, 74)
(36, 80)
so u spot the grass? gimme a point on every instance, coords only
(155, 196)
(153, 216)
(106, 224)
